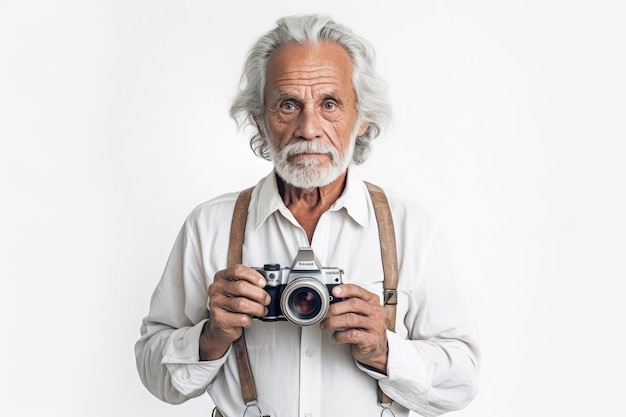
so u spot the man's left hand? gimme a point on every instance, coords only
(360, 320)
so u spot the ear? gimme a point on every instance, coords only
(363, 129)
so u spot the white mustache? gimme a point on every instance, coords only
(298, 148)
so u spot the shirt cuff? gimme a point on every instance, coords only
(409, 375)
(181, 356)
(399, 357)
(404, 365)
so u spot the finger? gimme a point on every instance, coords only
(243, 289)
(241, 273)
(365, 345)
(238, 297)
(355, 291)
(243, 305)
(239, 281)
(350, 321)
(353, 336)
(229, 322)
(358, 306)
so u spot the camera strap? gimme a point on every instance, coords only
(390, 270)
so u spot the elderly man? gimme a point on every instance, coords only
(310, 89)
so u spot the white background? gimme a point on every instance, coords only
(509, 125)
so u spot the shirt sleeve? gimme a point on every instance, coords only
(167, 353)
(432, 369)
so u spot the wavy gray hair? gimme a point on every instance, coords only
(371, 90)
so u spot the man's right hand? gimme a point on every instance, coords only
(235, 296)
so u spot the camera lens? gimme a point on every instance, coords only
(305, 301)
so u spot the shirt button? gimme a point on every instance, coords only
(308, 414)
(308, 352)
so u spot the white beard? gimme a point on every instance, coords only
(306, 172)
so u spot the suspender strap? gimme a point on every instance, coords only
(237, 230)
(390, 270)
(238, 227)
(388, 252)
(389, 256)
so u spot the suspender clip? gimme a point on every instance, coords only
(391, 297)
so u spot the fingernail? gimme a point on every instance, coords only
(337, 290)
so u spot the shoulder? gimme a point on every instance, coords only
(403, 206)
(412, 221)
(219, 210)
(214, 214)
(219, 205)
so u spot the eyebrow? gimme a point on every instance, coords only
(283, 96)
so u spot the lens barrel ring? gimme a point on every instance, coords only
(290, 296)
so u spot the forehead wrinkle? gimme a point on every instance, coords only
(321, 93)
(300, 71)
(314, 72)
(316, 84)
(319, 84)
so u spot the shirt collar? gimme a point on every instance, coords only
(354, 199)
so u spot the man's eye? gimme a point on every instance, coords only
(288, 106)
(330, 105)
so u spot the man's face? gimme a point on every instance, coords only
(311, 115)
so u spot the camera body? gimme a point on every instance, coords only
(301, 293)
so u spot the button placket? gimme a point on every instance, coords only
(310, 371)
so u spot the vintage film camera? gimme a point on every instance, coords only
(302, 293)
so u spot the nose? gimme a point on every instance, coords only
(309, 125)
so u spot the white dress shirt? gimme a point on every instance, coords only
(299, 371)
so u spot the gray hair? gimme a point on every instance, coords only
(371, 90)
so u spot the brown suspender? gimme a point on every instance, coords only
(387, 238)
(390, 271)
(237, 230)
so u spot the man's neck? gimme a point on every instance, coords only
(312, 197)
(308, 205)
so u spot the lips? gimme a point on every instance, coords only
(311, 154)
(308, 149)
